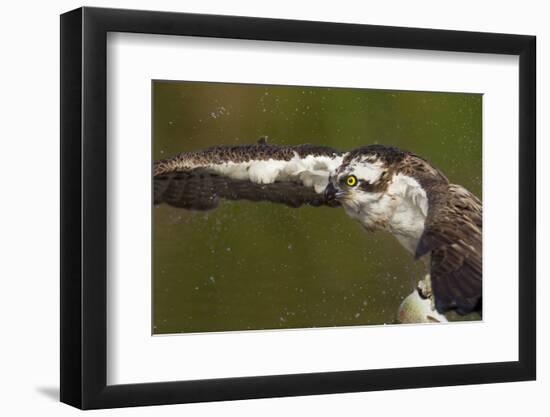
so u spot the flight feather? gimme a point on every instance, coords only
(290, 175)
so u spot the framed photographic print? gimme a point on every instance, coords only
(258, 208)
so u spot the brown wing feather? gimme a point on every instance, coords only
(452, 235)
(238, 153)
(200, 190)
(187, 180)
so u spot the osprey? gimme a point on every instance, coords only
(383, 188)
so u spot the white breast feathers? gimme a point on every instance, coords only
(400, 210)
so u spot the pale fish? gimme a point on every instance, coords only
(415, 309)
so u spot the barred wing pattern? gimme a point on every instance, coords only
(452, 235)
(290, 175)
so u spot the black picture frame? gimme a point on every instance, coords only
(84, 207)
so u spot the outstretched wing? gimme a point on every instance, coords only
(291, 175)
(452, 235)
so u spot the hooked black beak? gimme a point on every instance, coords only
(330, 195)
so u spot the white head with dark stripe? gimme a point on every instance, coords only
(364, 175)
(375, 186)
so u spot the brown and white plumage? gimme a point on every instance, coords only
(291, 175)
(452, 235)
(434, 219)
(392, 190)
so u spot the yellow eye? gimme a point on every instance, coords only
(351, 180)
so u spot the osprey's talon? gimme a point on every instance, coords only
(425, 287)
(425, 290)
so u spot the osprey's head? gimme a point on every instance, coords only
(364, 176)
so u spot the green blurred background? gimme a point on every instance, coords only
(262, 266)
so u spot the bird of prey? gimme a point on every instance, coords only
(383, 188)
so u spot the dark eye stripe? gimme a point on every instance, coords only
(366, 186)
